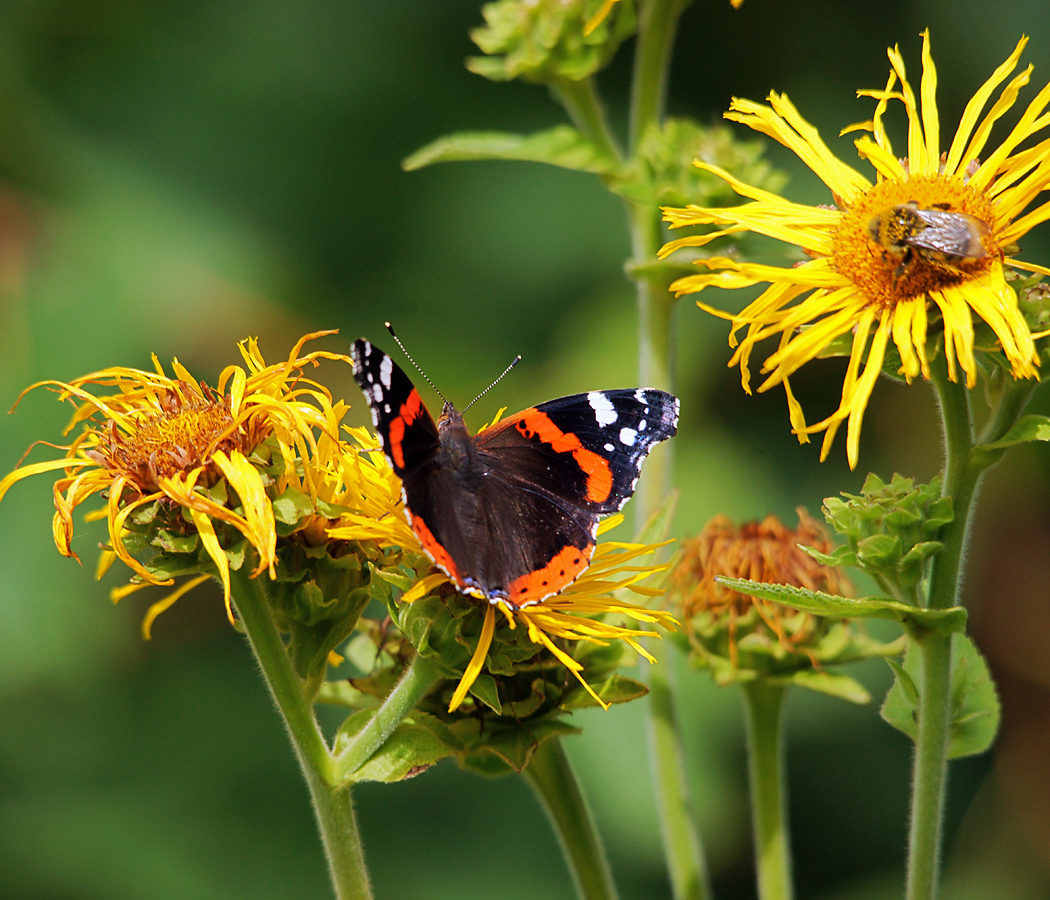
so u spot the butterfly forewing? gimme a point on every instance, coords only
(592, 445)
(405, 426)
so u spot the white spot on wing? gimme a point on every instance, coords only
(628, 436)
(386, 368)
(604, 411)
(609, 448)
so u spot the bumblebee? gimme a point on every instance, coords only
(940, 238)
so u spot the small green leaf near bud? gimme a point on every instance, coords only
(975, 709)
(1027, 428)
(942, 621)
(832, 684)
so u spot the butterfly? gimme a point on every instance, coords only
(511, 514)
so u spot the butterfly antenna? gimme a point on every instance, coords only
(514, 362)
(426, 377)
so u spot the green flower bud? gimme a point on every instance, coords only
(664, 172)
(891, 529)
(543, 41)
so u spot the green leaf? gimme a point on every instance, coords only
(879, 551)
(415, 746)
(817, 602)
(485, 689)
(901, 676)
(1027, 428)
(616, 689)
(561, 146)
(292, 506)
(841, 556)
(975, 704)
(510, 747)
(841, 686)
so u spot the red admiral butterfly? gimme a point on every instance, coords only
(512, 514)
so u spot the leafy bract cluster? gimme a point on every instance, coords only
(890, 529)
(546, 41)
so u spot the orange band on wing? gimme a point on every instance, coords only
(559, 572)
(410, 410)
(434, 549)
(595, 467)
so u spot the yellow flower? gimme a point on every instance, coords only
(549, 623)
(169, 440)
(930, 237)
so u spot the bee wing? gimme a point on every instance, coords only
(950, 233)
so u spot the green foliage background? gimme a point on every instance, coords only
(176, 176)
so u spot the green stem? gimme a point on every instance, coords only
(552, 777)
(931, 767)
(658, 22)
(765, 757)
(685, 859)
(331, 802)
(930, 774)
(584, 107)
(961, 477)
(656, 32)
(964, 467)
(683, 849)
(415, 683)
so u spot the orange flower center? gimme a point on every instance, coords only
(182, 435)
(904, 239)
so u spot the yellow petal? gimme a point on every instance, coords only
(470, 675)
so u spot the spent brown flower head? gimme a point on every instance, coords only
(765, 551)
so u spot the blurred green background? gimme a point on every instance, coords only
(175, 176)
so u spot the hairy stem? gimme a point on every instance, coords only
(765, 757)
(552, 777)
(682, 848)
(331, 802)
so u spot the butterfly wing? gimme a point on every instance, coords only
(498, 536)
(405, 426)
(588, 448)
(555, 469)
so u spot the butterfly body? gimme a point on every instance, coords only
(511, 514)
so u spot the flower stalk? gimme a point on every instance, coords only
(551, 776)
(683, 849)
(331, 799)
(765, 755)
(965, 465)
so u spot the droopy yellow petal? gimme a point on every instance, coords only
(470, 675)
(167, 602)
(245, 479)
(218, 556)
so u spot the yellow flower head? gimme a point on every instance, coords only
(928, 239)
(565, 617)
(171, 440)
